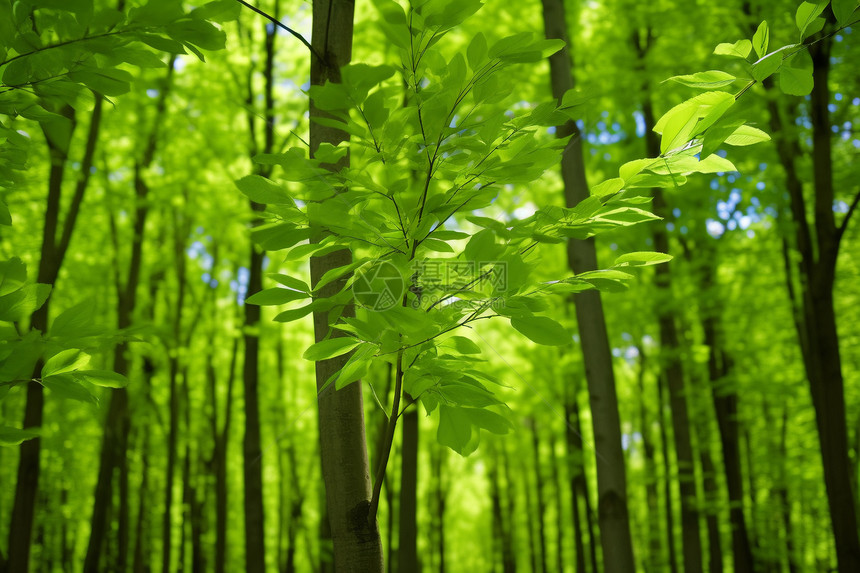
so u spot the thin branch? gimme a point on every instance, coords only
(844, 225)
(283, 26)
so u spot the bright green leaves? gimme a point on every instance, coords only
(807, 19)
(843, 9)
(761, 39)
(690, 118)
(476, 53)
(330, 348)
(17, 298)
(10, 436)
(276, 296)
(705, 80)
(642, 259)
(456, 426)
(795, 78)
(542, 330)
(62, 374)
(740, 49)
(455, 430)
(65, 361)
(106, 81)
(262, 190)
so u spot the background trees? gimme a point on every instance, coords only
(119, 162)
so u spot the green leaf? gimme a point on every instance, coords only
(23, 301)
(476, 53)
(10, 436)
(843, 9)
(740, 49)
(103, 378)
(642, 259)
(357, 365)
(747, 135)
(275, 296)
(807, 12)
(766, 66)
(330, 348)
(488, 420)
(542, 330)
(261, 190)
(76, 322)
(296, 313)
(67, 386)
(291, 282)
(761, 39)
(464, 345)
(13, 274)
(455, 429)
(106, 81)
(705, 80)
(795, 81)
(65, 361)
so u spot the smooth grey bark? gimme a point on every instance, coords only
(343, 445)
(612, 509)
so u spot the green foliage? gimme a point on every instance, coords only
(452, 132)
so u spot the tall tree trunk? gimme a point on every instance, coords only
(816, 318)
(407, 545)
(725, 400)
(558, 488)
(343, 446)
(782, 495)
(651, 496)
(541, 504)
(118, 422)
(174, 371)
(611, 481)
(221, 441)
(53, 251)
(252, 455)
(667, 481)
(576, 469)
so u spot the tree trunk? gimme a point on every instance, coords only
(576, 468)
(407, 545)
(651, 496)
(53, 251)
(667, 481)
(611, 481)
(118, 423)
(816, 321)
(343, 446)
(541, 504)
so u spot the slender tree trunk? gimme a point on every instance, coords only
(558, 488)
(715, 552)
(782, 495)
(667, 482)
(343, 446)
(651, 496)
(118, 423)
(611, 481)
(221, 440)
(541, 504)
(726, 407)
(407, 545)
(53, 251)
(576, 469)
(252, 465)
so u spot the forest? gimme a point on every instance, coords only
(429, 285)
